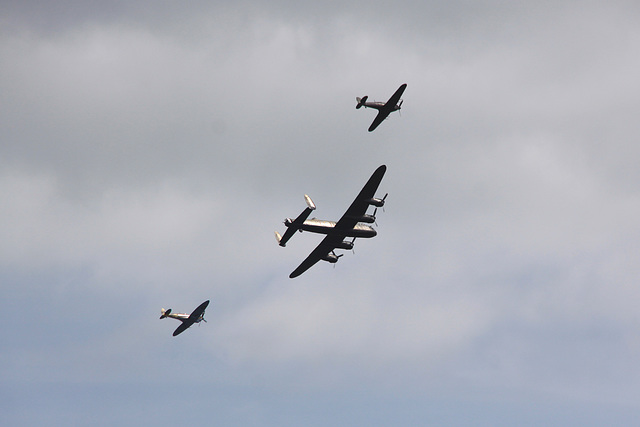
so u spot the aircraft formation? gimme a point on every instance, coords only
(354, 223)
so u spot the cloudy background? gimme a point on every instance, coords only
(148, 150)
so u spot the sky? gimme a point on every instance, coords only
(149, 150)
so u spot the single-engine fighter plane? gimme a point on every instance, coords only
(384, 108)
(187, 320)
(354, 223)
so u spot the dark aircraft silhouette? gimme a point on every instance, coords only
(352, 224)
(384, 108)
(187, 320)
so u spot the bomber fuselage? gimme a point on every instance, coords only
(327, 227)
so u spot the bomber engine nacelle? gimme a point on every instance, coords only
(366, 218)
(377, 202)
(331, 257)
(345, 245)
(369, 219)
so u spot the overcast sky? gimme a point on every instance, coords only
(149, 150)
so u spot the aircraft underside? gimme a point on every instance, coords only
(328, 227)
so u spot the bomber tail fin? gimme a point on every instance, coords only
(361, 101)
(295, 224)
(164, 313)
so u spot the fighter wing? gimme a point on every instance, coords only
(361, 203)
(326, 245)
(183, 327)
(382, 114)
(393, 101)
(195, 315)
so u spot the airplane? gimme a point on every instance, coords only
(187, 320)
(384, 108)
(354, 223)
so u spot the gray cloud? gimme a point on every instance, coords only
(149, 151)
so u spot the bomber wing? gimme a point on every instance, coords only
(327, 245)
(346, 222)
(361, 203)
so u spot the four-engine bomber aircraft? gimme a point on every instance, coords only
(352, 224)
(384, 108)
(187, 320)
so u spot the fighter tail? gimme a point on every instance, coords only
(361, 101)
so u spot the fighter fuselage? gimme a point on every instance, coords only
(179, 316)
(183, 316)
(379, 105)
